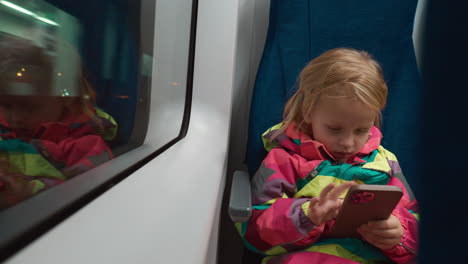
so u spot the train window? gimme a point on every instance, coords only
(78, 81)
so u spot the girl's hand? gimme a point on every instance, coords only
(326, 206)
(384, 234)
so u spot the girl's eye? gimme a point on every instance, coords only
(363, 131)
(336, 129)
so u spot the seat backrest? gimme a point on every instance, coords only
(300, 30)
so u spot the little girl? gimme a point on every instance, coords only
(45, 138)
(328, 141)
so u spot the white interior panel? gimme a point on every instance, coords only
(167, 211)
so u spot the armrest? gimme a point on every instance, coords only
(240, 204)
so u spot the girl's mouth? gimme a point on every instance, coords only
(341, 155)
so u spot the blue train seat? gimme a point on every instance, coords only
(300, 30)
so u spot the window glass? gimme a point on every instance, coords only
(76, 82)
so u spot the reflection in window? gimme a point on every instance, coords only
(75, 79)
(53, 126)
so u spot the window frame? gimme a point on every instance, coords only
(56, 204)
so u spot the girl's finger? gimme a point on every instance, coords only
(340, 202)
(325, 192)
(390, 223)
(337, 191)
(378, 241)
(335, 213)
(386, 233)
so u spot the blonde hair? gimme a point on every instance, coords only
(337, 73)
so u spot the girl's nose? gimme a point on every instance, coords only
(347, 143)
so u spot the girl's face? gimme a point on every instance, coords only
(342, 125)
(25, 113)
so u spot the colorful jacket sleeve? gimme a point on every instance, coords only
(55, 152)
(44, 164)
(408, 214)
(279, 222)
(73, 156)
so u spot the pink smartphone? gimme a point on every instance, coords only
(364, 203)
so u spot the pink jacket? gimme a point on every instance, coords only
(298, 168)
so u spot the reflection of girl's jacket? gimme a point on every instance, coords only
(298, 168)
(57, 150)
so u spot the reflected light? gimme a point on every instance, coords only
(19, 74)
(48, 21)
(65, 92)
(59, 74)
(27, 12)
(17, 8)
(23, 69)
